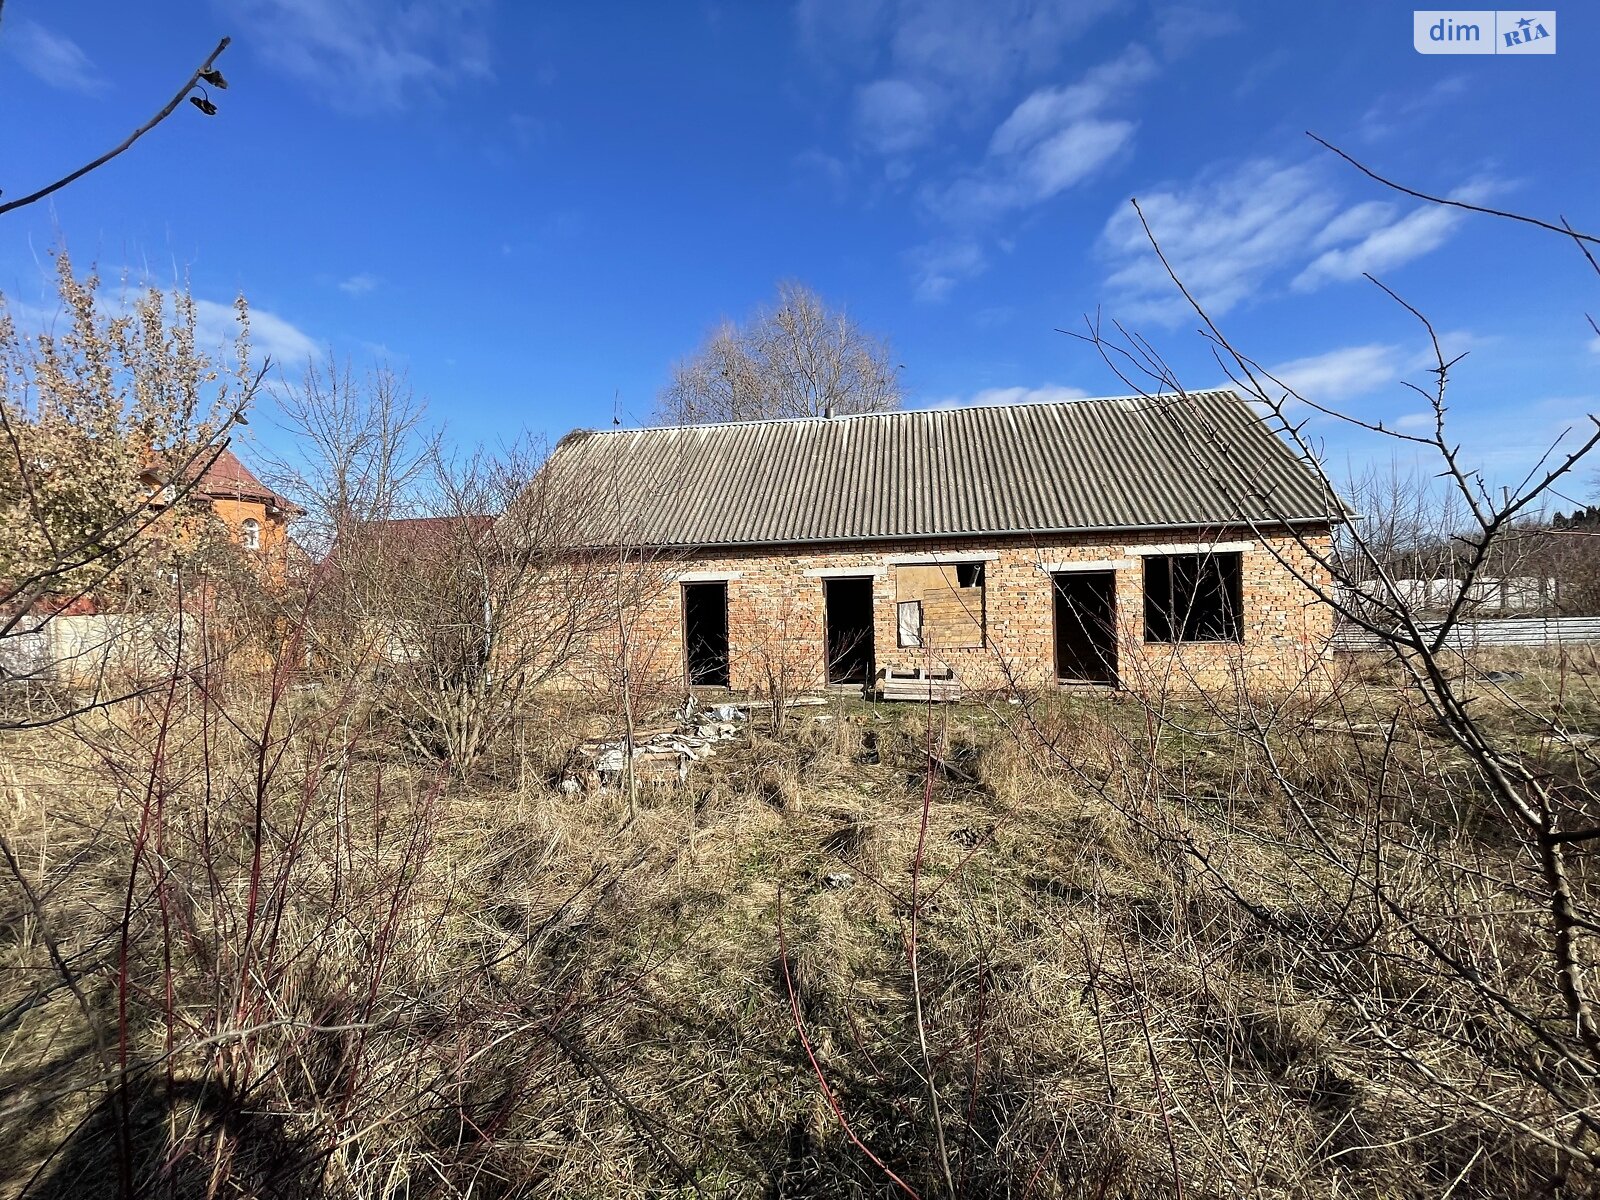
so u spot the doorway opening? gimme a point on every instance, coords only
(1086, 627)
(848, 618)
(705, 633)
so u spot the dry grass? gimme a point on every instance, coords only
(493, 988)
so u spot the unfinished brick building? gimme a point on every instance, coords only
(1121, 542)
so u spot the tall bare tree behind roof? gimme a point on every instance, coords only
(799, 358)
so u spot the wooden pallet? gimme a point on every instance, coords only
(920, 685)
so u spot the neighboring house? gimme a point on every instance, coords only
(1114, 541)
(256, 517)
(84, 639)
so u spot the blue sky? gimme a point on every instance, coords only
(533, 208)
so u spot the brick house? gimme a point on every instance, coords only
(82, 638)
(256, 517)
(1122, 541)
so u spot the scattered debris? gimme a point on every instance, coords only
(1502, 676)
(966, 837)
(836, 881)
(660, 755)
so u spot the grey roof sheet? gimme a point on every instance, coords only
(1122, 463)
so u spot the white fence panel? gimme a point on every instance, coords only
(1466, 636)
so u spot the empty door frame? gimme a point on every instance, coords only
(705, 634)
(1083, 606)
(847, 629)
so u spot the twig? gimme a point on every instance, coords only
(204, 68)
(1563, 228)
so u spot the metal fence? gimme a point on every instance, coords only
(1466, 636)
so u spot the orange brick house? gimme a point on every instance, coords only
(1125, 542)
(256, 517)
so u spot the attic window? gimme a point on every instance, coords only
(250, 533)
(1193, 598)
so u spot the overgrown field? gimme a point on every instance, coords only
(1071, 947)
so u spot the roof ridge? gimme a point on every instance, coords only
(910, 412)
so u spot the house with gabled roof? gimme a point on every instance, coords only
(1105, 541)
(256, 517)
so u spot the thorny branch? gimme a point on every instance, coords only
(206, 72)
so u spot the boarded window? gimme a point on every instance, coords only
(1193, 598)
(951, 597)
(908, 622)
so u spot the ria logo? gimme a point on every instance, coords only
(1484, 31)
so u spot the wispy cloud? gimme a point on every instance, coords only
(1234, 234)
(1341, 374)
(52, 57)
(938, 266)
(1046, 393)
(1055, 138)
(931, 62)
(1224, 235)
(370, 56)
(894, 116)
(359, 285)
(271, 336)
(1389, 244)
(1394, 112)
(1182, 27)
(814, 166)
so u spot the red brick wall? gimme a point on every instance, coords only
(775, 612)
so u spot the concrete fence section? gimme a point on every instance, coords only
(80, 651)
(1531, 632)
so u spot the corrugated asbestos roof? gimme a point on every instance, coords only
(1123, 463)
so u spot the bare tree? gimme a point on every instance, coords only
(1382, 906)
(106, 429)
(485, 591)
(359, 448)
(797, 359)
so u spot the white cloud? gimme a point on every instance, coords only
(1224, 235)
(1412, 236)
(1594, 345)
(1049, 109)
(52, 57)
(1181, 27)
(894, 116)
(1355, 223)
(271, 336)
(1230, 236)
(935, 60)
(978, 48)
(1341, 374)
(1048, 393)
(368, 56)
(1397, 111)
(359, 284)
(938, 266)
(1056, 138)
